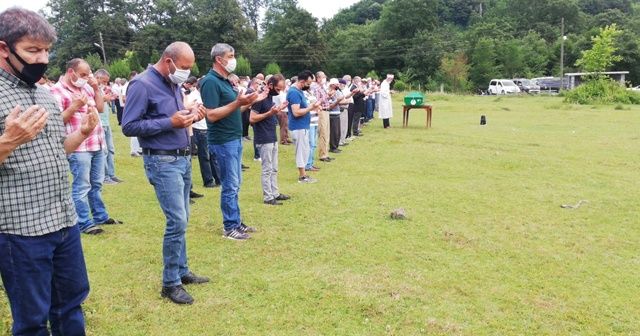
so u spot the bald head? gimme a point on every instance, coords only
(177, 56)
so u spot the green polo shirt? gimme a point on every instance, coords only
(216, 91)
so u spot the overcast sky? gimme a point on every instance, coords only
(320, 9)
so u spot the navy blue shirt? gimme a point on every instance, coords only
(295, 96)
(151, 101)
(264, 131)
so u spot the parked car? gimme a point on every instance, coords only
(550, 84)
(635, 88)
(502, 86)
(527, 85)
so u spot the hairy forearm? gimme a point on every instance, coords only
(222, 112)
(6, 148)
(73, 140)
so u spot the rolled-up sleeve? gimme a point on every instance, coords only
(135, 121)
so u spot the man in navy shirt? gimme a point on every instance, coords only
(300, 120)
(155, 114)
(264, 120)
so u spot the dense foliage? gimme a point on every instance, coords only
(432, 42)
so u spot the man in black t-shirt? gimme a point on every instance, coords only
(264, 119)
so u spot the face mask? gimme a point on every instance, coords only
(306, 87)
(80, 82)
(179, 76)
(192, 89)
(231, 65)
(273, 92)
(31, 73)
(323, 81)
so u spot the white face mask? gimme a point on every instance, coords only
(231, 65)
(80, 82)
(180, 76)
(324, 81)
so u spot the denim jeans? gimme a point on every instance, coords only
(87, 169)
(313, 141)
(109, 167)
(171, 178)
(230, 162)
(45, 278)
(369, 110)
(206, 159)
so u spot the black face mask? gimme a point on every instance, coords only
(273, 92)
(31, 73)
(306, 87)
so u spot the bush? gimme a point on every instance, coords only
(601, 91)
(119, 68)
(372, 74)
(272, 69)
(244, 67)
(400, 86)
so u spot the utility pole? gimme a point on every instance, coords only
(101, 46)
(562, 37)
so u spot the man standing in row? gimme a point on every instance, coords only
(155, 113)
(76, 92)
(224, 108)
(299, 122)
(110, 177)
(42, 264)
(263, 117)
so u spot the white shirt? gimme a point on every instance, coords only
(195, 97)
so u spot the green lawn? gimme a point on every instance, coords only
(487, 248)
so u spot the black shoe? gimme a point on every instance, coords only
(177, 294)
(326, 159)
(193, 194)
(111, 221)
(245, 228)
(94, 230)
(283, 197)
(335, 150)
(191, 278)
(192, 201)
(273, 201)
(244, 167)
(215, 185)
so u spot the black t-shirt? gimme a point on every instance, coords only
(358, 101)
(265, 130)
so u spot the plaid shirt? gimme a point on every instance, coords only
(35, 197)
(64, 96)
(323, 97)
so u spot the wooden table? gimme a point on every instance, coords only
(407, 108)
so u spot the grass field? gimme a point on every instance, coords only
(487, 248)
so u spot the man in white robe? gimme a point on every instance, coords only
(385, 109)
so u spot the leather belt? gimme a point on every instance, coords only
(176, 152)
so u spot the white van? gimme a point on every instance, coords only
(503, 86)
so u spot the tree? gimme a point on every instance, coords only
(95, 61)
(483, 60)
(352, 50)
(455, 71)
(272, 69)
(119, 69)
(291, 38)
(601, 55)
(244, 67)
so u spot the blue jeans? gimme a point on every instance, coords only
(230, 162)
(87, 169)
(171, 178)
(109, 167)
(313, 142)
(369, 111)
(45, 278)
(206, 158)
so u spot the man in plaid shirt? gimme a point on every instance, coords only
(76, 92)
(41, 260)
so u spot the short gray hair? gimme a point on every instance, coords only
(17, 23)
(219, 50)
(102, 73)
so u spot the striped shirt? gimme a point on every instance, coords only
(35, 196)
(64, 97)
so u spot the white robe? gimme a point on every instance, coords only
(385, 109)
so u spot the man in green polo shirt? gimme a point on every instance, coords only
(224, 122)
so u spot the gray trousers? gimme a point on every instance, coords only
(269, 155)
(344, 124)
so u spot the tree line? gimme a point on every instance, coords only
(459, 43)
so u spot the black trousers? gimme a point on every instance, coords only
(334, 131)
(350, 120)
(385, 122)
(119, 110)
(245, 122)
(355, 122)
